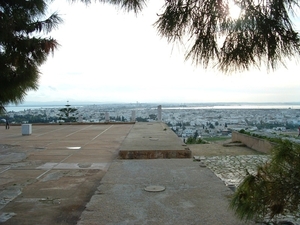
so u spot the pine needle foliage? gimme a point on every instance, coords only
(67, 114)
(22, 46)
(263, 34)
(127, 5)
(274, 190)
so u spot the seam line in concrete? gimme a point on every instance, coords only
(54, 166)
(5, 169)
(78, 131)
(73, 153)
(51, 131)
(102, 132)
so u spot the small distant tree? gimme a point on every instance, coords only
(67, 114)
(196, 135)
(190, 140)
(193, 140)
(141, 119)
(274, 190)
(179, 124)
(152, 116)
(211, 126)
(186, 124)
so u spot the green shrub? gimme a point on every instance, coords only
(274, 189)
(193, 140)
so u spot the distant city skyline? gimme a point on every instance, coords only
(107, 55)
(165, 105)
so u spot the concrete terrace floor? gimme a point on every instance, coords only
(71, 174)
(50, 175)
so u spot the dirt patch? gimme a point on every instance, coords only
(220, 148)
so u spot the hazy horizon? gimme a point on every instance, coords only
(121, 103)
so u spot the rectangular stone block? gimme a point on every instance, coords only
(26, 129)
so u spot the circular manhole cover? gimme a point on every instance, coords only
(155, 188)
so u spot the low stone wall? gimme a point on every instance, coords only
(155, 154)
(255, 143)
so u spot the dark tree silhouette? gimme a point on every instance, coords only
(22, 47)
(274, 189)
(67, 114)
(262, 34)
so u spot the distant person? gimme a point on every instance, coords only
(298, 131)
(7, 124)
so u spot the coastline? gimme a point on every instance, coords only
(166, 106)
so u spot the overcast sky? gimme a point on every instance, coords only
(107, 55)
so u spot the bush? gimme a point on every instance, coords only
(193, 140)
(274, 189)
